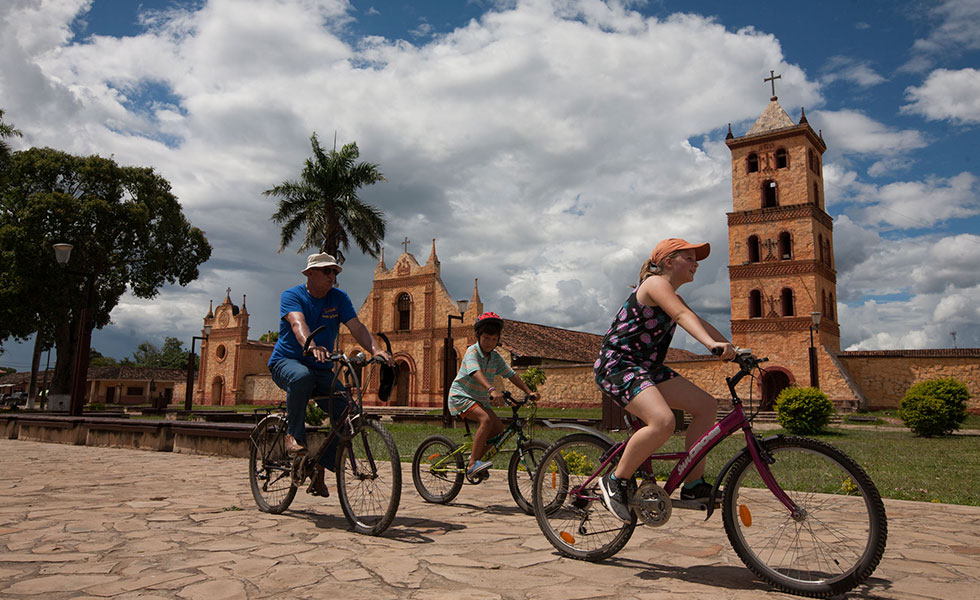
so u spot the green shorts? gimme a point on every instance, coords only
(460, 404)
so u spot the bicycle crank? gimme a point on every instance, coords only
(651, 504)
(298, 472)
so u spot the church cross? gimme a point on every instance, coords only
(406, 243)
(772, 79)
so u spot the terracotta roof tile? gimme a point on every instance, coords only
(553, 343)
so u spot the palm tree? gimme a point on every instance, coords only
(325, 200)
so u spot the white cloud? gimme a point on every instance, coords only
(917, 204)
(958, 30)
(847, 69)
(854, 132)
(947, 95)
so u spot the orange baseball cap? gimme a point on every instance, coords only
(671, 245)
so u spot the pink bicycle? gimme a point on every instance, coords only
(800, 513)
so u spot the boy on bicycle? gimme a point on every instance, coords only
(302, 309)
(473, 389)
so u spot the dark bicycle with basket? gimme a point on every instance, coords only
(368, 466)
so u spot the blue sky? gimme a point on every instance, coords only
(547, 145)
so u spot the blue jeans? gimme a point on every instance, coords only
(301, 383)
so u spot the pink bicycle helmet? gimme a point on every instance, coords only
(488, 319)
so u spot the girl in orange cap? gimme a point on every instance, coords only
(631, 369)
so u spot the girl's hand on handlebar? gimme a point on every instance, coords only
(534, 396)
(723, 350)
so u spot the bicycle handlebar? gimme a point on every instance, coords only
(357, 360)
(510, 400)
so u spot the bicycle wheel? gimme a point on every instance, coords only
(520, 474)
(568, 502)
(369, 478)
(437, 469)
(270, 467)
(837, 542)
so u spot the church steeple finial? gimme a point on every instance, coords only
(244, 310)
(476, 293)
(729, 136)
(803, 115)
(772, 79)
(433, 259)
(210, 309)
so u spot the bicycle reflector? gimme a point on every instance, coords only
(567, 538)
(745, 515)
(388, 377)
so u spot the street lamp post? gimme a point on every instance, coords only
(62, 253)
(815, 326)
(189, 392)
(448, 362)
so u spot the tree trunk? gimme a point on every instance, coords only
(35, 366)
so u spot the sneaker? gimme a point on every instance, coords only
(614, 497)
(700, 491)
(478, 467)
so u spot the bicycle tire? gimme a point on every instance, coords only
(577, 525)
(834, 547)
(520, 473)
(270, 466)
(437, 469)
(369, 478)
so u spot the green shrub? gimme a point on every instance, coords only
(533, 377)
(314, 415)
(803, 411)
(941, 414)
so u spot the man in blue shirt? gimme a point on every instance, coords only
(302, 309)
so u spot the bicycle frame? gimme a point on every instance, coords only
(497, 442)
(687, 460)
(345, 368)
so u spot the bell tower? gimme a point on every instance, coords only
(780, 243)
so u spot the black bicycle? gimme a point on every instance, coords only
(439, 464)
(368, 466)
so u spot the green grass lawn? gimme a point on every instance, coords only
(903, 466)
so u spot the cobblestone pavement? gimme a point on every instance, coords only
(84, 522)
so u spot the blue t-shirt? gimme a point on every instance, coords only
(331, 310)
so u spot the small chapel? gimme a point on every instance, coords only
(783, 305)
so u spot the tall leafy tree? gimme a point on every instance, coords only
(325, 200)
(127, 230)
(6, 131)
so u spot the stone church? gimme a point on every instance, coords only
(783, 305)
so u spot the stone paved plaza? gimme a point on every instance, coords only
(86, 522)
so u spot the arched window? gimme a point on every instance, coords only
(785, 246)
(769, 197)
(820, 253)
(404, 312)
(812, 160)
(782, 158)
(786, 302)
(754, 248)
(753, 163)
(829, 257)
(816, 194)
(755, 304)
(823, 303)
(831, 308)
